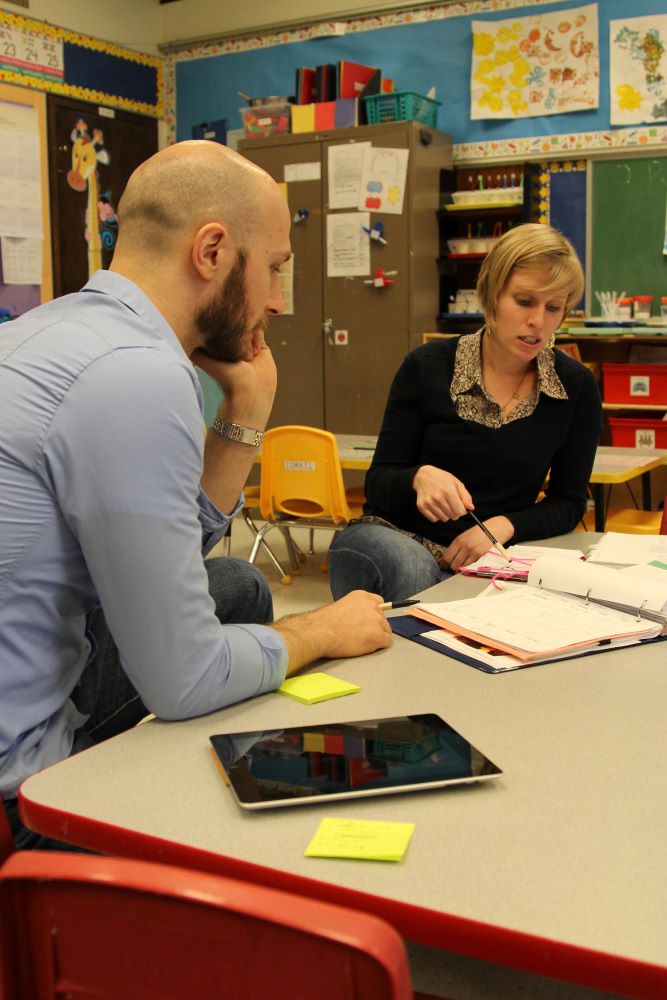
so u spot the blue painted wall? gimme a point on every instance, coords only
(416, 56)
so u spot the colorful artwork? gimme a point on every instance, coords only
(101, 222)
(544, 64)
(638, 70)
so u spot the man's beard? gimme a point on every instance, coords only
(224, 322)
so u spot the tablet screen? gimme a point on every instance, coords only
(307, 763)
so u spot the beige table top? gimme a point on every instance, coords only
(557, 867)
(618, 465)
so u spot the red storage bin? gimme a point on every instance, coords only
(634, 383)
(628, 432)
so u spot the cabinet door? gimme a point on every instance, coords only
(296, 339)
(357, 374)
(91, 157)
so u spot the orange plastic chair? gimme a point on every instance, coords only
(301, 484)
(630, 521)
(84, 926)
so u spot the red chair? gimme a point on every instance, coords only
(6, 838)
(663, 522)
(80, 926)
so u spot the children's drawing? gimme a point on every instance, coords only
(543, 64)
(638, 70)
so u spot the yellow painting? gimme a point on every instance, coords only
(544, 64)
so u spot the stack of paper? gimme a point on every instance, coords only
(619, 549)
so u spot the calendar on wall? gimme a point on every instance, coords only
(30, 52)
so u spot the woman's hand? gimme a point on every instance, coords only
(440, 495)
(473, 543)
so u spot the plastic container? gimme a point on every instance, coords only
(624, 308)
(477, 244)
(642, 306)
(401, 106)
(663, 307)
(628, 432)
(264, 120)
(635, 384)
(488, 196)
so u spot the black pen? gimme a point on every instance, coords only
(494, 541)
(390, 605)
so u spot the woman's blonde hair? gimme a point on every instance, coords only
(532, 246)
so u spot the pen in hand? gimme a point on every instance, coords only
(494, 541)
(390, 605)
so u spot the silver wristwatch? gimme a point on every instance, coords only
(236, 432)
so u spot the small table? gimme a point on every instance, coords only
(620, 465)
(558, 867)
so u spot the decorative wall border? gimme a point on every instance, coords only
(96, 44)
(538, 147)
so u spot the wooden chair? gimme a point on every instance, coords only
(80, 925)
(301, 485)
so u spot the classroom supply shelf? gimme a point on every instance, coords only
(621, 358)
(477, 207)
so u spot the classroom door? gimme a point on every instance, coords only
(92, 152)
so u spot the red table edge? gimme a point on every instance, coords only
(460, 935)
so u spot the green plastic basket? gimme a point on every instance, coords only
(402, 106)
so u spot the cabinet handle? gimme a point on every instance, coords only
(327, 331)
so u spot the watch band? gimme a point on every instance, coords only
(236, 432)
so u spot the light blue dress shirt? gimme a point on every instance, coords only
(101, 455)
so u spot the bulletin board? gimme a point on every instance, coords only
(21, 298)
(629, 206)
(43, 56)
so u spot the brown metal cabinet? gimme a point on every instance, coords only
(321, 381)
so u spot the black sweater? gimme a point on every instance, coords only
(503, 468)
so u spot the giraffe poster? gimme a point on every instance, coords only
(638, 70)
(543, 64)
(88, 153)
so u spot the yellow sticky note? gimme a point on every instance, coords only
(316, 687)
(363, 839)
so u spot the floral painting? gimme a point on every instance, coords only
(638, 70)
(543, 64)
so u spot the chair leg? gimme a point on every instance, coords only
(267, 549)
(293, 550)
(259, 540)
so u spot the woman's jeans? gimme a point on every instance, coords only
(371, 557)
(105, 694)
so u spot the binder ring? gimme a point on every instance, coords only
(640, 609)
(588, 594)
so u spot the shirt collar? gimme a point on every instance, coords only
(468, 369)
(121, 288)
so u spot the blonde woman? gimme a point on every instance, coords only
(476, 423)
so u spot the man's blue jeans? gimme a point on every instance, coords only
(104, 693)
(373, 557)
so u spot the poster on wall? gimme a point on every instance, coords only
(638, 70)
(543, 64)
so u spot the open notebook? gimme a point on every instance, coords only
(567, 608)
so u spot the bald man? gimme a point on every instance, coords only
(112, 493)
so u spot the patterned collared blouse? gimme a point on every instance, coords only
(472, 401)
